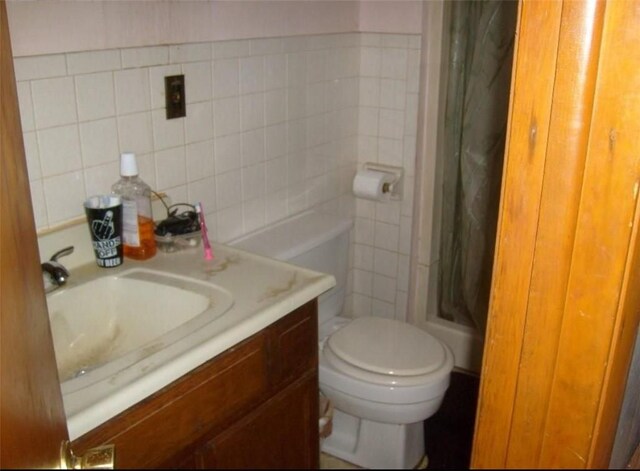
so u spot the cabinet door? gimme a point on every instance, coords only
(282, 433)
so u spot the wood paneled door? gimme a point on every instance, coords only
(565, 297)
(32, 420)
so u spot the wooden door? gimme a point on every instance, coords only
(32, 420)
(565, 300)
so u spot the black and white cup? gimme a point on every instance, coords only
(104, 216)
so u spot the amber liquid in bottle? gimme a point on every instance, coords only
(147, 247)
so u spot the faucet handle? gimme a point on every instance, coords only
(62, 253)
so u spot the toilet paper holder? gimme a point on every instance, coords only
(393, 189)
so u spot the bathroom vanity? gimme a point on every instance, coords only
(253, 406)
(232, 385)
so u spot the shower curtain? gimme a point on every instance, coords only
(480, 59)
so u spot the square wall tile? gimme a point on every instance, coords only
(276, 174)
(64, 195)
(393, 94)
(253, 182)
(275, 72)
(364, 231)
(361, 305)
(363, 257)
(59, 150)
(229, 189)
(275, 107)
(391, 124)
(170, 168)
(199, 122)
(253, 212)
(167, 132)
(227, 153)
(370, 60)
(132, 91)
(135, 133)
(252, 111)
(384, 288)
(276, 206)
(226, 78)
(385, 262)
(99, 142)
(251, 74)
(226, 116)
(200, 163)
(99, 179)
(230, 223)
(252, 143)
(203, 191)
(362, 282)
(275, 141)
(95, 96)
(386, 236)
(383, 309)
(54, 102)
(198, 81)
(393, 63)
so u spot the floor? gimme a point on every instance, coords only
(448, 433)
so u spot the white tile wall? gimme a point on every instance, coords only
(273, 127)
(387, 128)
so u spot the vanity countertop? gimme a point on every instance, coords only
(264, 290)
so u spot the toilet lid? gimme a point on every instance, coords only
(387, 347)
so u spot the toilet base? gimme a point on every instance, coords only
(375, 445)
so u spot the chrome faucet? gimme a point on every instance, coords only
(53, 272)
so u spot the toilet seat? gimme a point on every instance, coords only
(386, 352)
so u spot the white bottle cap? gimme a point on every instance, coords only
(128, 165)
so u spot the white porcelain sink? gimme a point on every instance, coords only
(113, 321)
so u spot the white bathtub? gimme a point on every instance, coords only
(465, 341)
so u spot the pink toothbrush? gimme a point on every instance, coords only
(208, 253)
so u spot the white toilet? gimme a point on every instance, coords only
(383, 376)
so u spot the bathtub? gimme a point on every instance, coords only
(466, 342)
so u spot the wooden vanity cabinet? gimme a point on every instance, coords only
(253, 406)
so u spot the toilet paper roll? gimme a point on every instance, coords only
(370, 184)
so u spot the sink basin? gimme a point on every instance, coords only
(124, 318)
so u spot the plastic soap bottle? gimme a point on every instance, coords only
(137, 222)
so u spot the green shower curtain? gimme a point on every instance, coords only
(480, 59)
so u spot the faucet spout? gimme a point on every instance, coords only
(53, 272)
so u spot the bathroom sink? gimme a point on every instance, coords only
(126, 317)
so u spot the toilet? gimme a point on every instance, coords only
(384, 377)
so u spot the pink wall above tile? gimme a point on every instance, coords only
(390, 16)
(54, 26)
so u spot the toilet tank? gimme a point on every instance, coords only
(311, 240)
